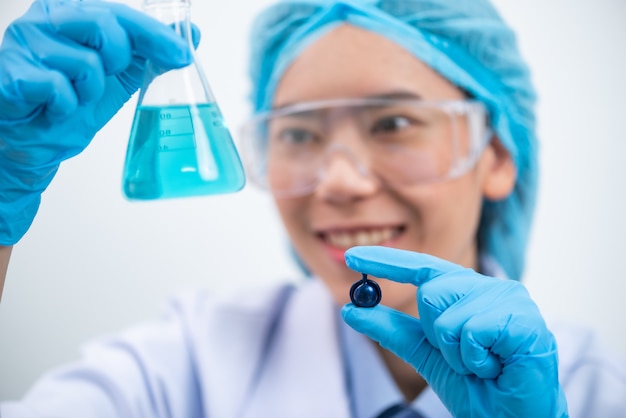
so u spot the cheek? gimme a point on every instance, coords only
(292, 213)
(444, 218)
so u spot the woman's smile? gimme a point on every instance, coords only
(337, 240)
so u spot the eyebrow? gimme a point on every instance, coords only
(398, 94)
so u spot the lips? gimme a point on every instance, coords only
(344, 239)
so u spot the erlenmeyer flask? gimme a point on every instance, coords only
(179, 144)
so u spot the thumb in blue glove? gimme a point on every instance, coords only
(66, 68)
(480, 342)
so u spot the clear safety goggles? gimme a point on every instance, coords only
(397, 141)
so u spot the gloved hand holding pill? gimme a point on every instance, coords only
(480, 342)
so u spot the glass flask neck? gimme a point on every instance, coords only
(168, 11)
(182, 86)
(166, 2)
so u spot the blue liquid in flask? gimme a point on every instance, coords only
(180, 151)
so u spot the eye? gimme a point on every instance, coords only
(295, 136)
(390, 124)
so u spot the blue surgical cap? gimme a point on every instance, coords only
(466, 42)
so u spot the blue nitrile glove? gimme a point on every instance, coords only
(66, 67)
(480, 342)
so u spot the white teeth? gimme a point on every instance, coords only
(362, 238)
(342, 240)
(374, 237)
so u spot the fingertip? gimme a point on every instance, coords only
(346, 309)
(364, 320)
(390, 263)
(59, 109)
(62, 102)
(180, 53)
(82, 73)
(350, 313)
(368, 319)
(196, 35)
(49, 90)
(185, 56)
(480, 361)
(119, 58)
(479, 335)
(358, 251)
(489, 369)
(347, 312)
(175, 55)
(356, 257)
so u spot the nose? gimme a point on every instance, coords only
(342, 179)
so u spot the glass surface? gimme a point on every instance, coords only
(399, 141)
(181, 151)
(179, 144)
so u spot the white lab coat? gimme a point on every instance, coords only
(264, 353)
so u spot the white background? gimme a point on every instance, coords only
(93, 263)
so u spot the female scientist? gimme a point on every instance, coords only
(398, 140)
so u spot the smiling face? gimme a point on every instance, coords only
(347, 208)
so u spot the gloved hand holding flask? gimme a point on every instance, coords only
(480, 342)
(66, 68)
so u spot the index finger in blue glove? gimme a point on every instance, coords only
(438, 300)
(152, 39)
(94, 24)
(97, 28)
(397, 265)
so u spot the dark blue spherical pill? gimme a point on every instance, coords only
(365, 293)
